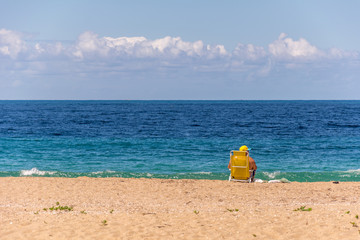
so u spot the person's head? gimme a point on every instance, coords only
(244, 148)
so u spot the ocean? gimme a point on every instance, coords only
(303, 141)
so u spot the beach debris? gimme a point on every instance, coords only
(303, 209)
(149, 213)
(259, 181)
(274, 181)
(335, 182)
(196, 212)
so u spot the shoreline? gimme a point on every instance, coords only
(328, 176)
(148, 208)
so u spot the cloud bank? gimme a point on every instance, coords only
(126, 63)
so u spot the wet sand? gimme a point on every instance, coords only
(117, 208)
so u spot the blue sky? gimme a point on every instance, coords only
(179, 49)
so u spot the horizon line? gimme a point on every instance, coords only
(179, 99)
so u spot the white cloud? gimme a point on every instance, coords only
(285, 48)
(125, 45)
(249, 52)
(170, 60)
(89, 45)
(168, 50)
(11, 43)
(335, 53)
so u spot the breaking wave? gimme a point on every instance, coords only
(35, 171)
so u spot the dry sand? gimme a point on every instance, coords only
(116, 208)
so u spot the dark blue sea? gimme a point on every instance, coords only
(297, 140)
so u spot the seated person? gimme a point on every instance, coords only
(252, 164)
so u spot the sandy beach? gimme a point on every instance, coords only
(117, 208)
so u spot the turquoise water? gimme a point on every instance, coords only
(296, 140)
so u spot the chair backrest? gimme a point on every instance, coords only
(239, 165)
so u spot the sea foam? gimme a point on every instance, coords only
(357, 171)
(34, 171)
(272, 174)
(102, 172)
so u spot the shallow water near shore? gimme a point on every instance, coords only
(297, 140)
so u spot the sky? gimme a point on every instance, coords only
(179, 50)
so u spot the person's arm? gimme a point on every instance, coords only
(229, 166)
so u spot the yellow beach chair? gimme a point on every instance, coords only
(239, 166)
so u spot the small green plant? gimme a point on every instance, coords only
(347, 212)
(83, 212)
(37, 212)
(302, 208)
(104, 223)
(59, 207)
(45, 209)
(354, 224)
(111, 211)
(196, 212)
(232, 210)
(357, 216)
